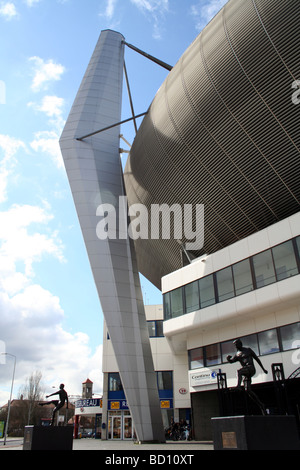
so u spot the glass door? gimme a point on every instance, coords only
(116, 427)
(127, 427)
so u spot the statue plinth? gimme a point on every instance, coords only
(268, 432)
(48, 438)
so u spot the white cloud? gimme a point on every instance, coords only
(51, 106)
(8, 10)
(203, 12)
(9, 146)
(19, 245)
(48, 142)
(31, 3)
(45, 72)
(31, 319)
(110, 8)
(156, 9)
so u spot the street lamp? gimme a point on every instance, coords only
(11, 390)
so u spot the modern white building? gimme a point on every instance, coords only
(248, 290)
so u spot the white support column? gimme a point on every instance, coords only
(95, 175)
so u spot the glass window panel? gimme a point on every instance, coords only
(242, 277)
(268, 342)
(159, 328)
(114, 382)
(196, 358)
(213, 354)
(191, 292)
(176, 302)
(151, 328)
(167, 306)
(250, 341)
(264, 269)
(290, 336)
(225, 284)
(228, 349)
(207, 291)
(285, 260)
(165, 380)
(298, 245)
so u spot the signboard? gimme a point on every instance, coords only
(117, 405)
(88, 406)
(203, 376)
(114, 405)
(2, 424)
(165, 404)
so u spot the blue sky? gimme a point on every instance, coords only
(50, 315)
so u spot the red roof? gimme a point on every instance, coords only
(88, 381)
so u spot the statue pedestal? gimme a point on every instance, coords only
(48, 438)
(256, 433)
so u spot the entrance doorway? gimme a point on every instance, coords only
(116, 427)
(119, 425)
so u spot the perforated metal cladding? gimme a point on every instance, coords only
(222, 131)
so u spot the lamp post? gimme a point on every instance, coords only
(11, 390)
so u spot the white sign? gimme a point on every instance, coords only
(204, 376)
(88, 406)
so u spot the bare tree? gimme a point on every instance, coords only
(32, 392)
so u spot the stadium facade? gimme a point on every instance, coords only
(222, 133)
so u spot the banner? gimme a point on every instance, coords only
(2, 424)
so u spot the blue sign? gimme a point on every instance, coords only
(117, 405)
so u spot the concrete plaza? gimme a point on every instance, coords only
(182, 447)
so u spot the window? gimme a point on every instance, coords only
(167, 306)
(213, 355)
(265, 342)
(264, 269)
(268, 342)
(250, 341)
(285, 260)
(151, 329)
(114, 382)
(159, 328)
(290, 336)
(207, 291)
(297, 240)
(176, 302)
(196, 358)
(225, 284)
(165, 380)
(242, 277)
(268, 267)
(228, 349)
(191, 292)
(155, 328)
